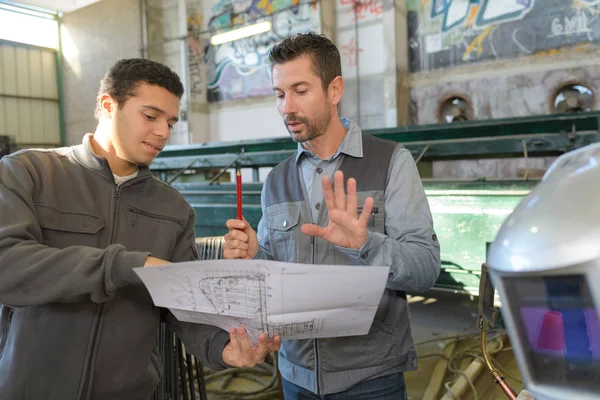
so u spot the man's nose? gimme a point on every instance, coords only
(163, 131)
(289, 106)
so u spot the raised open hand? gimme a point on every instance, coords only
(346, 228)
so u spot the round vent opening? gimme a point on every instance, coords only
(455, 109)
(573, 97)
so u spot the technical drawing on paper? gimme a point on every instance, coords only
(294, 329)
(244, 294)
(237, 293)
(294, 301)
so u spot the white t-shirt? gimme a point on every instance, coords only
(122, 179)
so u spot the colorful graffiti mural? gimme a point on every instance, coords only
(445, 33)
(240, 69)
(456, 13)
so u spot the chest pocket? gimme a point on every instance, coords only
(283, 234)
(62, 229)
(152, 231)
(377, 218)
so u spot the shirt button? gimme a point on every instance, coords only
(318, 206)
(365, 255)
(320, 170)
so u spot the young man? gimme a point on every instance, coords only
(383, 219)
(75, 321)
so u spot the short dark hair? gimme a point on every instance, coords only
(123, 78)
(324, 55)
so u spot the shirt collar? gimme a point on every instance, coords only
(351, 145)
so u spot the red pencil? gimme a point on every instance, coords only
(239, 194)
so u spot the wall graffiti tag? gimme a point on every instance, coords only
(364, 8)
(445, 33)
(240, 69)
(349, 52)
(196, 51)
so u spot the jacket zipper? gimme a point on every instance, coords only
(5, 333)
(88, 368)
(137, 211)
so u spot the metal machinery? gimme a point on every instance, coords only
(467, 213)
(545, 263)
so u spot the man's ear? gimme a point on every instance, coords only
(107, 105)
(336, 90)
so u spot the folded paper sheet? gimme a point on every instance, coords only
(296, 301)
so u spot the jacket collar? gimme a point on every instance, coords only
(87, 158)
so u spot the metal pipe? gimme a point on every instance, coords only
(60, 83)
(181, 171)
(186, 100)
(422, 154)
(144, 18)
(486, 355)
(498, 377)
(358, 110)
(224, 170)
(18, 97)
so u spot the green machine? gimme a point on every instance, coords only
(467, 213)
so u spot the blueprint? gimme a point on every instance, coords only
(295, 301)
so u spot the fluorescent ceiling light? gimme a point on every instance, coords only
(240, 33)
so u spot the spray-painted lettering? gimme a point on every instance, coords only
(362, 9)
(567, 26)
(478, 13)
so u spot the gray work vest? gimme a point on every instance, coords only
(333, 365)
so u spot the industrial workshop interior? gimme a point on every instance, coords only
(493, 102)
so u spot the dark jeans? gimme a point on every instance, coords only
(390, 387)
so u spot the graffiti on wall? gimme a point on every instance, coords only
(446, 33)
(349, 52)
(350, 12)
(240, 69)
(196, 50)
(362, 10)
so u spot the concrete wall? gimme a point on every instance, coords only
(505, 89)
(166, 28)
(506, 57)
(94, 38)
(244, 120)
(366, 38)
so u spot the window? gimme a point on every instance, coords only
(25, 25)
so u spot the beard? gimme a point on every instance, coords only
(312, 127)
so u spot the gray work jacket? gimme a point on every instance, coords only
(75, 321)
